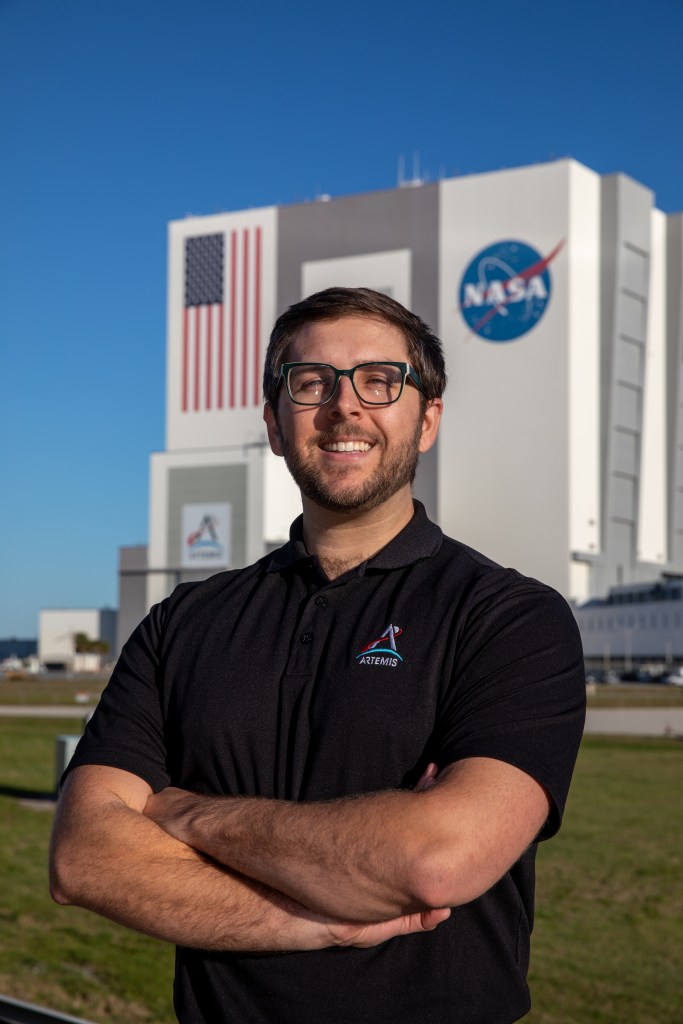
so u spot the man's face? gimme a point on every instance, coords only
(380, 444)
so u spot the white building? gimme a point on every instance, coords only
(638, 623)
(557, 294)
(57, 628)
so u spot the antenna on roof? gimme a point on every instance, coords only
(416, 180)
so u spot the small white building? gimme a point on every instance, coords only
(641, 622)
(57, 628)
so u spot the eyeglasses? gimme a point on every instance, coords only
(374, 383)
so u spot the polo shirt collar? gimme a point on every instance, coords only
(420, 538)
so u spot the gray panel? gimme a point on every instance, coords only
(634, 270)
(626, 216)
(623, 550)
(625, 452)
(626, 407)
(132, 592)
(635, 203)
(356, 225)
(624, 497)
(194, 484)
(108, 618)
(609, 216)
(628, 367)
(631, 316)
(426, 480)
(674, 355)
(133, 559)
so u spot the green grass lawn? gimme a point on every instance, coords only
(35, 690)
(51, 690)
(63, 957)
(632, 695)
(608, 942)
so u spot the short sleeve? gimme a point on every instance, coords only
(127, 731)
(518, 689)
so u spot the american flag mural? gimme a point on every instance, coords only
(221, 347)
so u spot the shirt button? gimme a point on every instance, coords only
(306, 638)
(321, 602)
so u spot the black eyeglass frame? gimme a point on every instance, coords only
(407, 374)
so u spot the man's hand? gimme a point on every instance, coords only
(428, 778)
(172, 810)
(365, 935)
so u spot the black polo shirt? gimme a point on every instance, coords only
(274, 681)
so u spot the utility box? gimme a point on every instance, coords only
(64, 751)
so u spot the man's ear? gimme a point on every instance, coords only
(273, 429)
(430, 423)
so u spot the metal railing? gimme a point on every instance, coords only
(13, 1011)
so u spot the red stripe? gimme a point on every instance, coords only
(197, 354)
(257, 318)
(209, 324)
(245, 312)
(220, 356)
(233, 304)
(186, 313)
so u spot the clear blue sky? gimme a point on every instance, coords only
(116, 117)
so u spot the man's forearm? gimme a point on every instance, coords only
(106, 856)
(129, 871)
(373, 856)
(353, 857)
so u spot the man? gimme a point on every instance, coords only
(298, 767)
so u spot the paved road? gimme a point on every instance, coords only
(45, 710)
(635, 721)
(614, 721)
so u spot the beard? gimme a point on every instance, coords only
(329, 491)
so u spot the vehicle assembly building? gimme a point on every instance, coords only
(557, 294)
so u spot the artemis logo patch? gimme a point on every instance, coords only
(382, 651)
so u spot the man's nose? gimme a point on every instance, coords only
(344, 401)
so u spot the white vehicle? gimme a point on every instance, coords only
(674, 678)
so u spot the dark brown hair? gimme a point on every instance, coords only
(425, 351)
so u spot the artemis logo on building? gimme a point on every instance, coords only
(505, 290)
(206, 535)
(204, 542)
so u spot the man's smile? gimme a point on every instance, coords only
(346, 446)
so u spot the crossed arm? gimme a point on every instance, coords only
(376, 856)
(253, 874)
(107, 856)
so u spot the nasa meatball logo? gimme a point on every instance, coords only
(505, 290)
